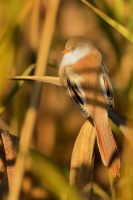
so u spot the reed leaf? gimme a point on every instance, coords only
(51, 176)
(16, 87)
(121, 29)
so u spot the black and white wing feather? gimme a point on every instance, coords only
(107, 88)
(76, 92)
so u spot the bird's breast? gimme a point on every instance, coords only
(68, 59)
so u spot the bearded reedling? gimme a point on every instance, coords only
(84, 77)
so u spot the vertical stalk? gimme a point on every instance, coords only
(30, 118)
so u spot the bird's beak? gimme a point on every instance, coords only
(66, 51)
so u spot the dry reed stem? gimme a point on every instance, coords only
(82, 158)
(30, 118)
(44, 79)
(34, 25)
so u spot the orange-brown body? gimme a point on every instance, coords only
(82, 81)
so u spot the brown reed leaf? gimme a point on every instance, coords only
(8, 152)
(82, 157)
(10, 144)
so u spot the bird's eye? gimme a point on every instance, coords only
(74, 47)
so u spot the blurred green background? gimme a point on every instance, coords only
(58, 120)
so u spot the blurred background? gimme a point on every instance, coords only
(58, 120)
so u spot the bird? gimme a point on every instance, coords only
(84, 77)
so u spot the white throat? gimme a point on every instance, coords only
(72, 57)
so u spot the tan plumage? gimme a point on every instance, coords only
(84, 77)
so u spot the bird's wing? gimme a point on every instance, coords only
(76, 92)
(107, 88)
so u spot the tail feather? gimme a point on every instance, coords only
(106, 143)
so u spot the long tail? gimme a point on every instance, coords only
(106, 143)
